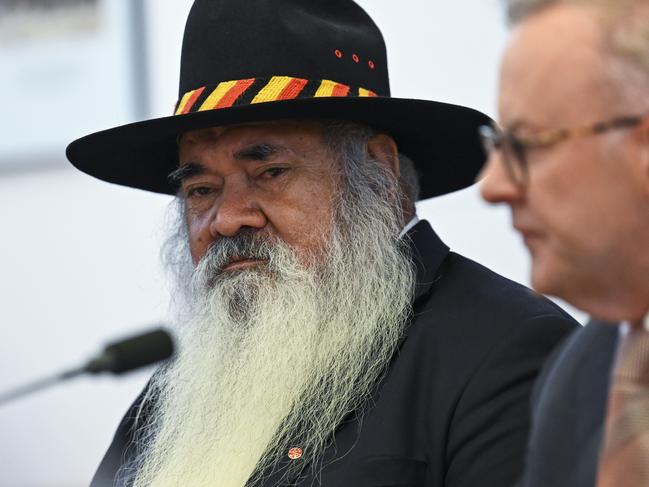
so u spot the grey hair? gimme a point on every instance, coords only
(519, 10)
(345, 139)
(625, 40)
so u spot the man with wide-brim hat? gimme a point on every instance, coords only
(327, 336)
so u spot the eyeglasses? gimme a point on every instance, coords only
(513, 148)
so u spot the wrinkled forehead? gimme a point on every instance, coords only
(239, 148)
(553, 71)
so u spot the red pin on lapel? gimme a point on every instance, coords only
(295, 453)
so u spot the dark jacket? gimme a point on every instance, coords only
(453, 408)
(569, 408)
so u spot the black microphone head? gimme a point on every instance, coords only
(133, 353)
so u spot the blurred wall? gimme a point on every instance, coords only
(79, 257)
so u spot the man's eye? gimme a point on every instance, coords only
(274, 172)
(198, 191)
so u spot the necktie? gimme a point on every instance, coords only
(624, 459)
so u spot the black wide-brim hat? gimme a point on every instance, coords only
(247, 61)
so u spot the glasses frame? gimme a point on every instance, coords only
(513, 148)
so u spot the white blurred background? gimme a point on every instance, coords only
(79, 257)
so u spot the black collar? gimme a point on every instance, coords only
(428, 252)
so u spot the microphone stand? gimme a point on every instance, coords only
(117, 358)
(37, 385)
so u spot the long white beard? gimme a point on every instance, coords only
(276, 357)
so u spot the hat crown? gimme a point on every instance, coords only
(246, 61)
(336, 40)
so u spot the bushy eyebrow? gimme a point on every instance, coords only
(256, 152)
(259, 152)
(185, 171)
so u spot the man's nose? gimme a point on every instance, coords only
(496, 184)
(237, 208)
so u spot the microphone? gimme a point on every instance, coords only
(117, 357)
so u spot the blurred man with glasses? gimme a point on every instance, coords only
(571, 159)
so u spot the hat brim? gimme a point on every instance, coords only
(442, 139)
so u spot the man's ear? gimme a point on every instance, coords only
(383, 148)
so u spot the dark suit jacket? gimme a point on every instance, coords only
(569, 408)
(453, 408)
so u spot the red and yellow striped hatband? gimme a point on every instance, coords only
(262, 90)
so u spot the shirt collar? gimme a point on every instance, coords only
(625, 326)
(409, 225)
